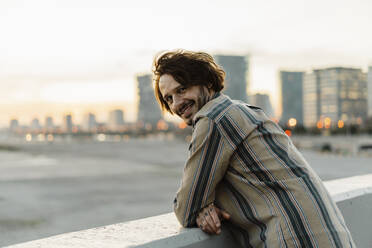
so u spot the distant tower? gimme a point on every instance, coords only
(237, 75)
(148, 109)
(90, 123)
(49, 124)
(369, 86)
(263, 101)
(35, 125)
(341, 94)
(311, 98)
(291, 93)
(116, 119)
(67, 123)
(14, 125)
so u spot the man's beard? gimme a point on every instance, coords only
(203, 98)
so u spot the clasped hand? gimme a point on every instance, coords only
(209, 219)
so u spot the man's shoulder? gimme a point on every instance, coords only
(220, 107)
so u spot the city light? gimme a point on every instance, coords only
(340, 124)
(327, 122)
(292, 122)
(28, 137)
(182, 125)
(319, 124)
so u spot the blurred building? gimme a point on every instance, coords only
(369, 86)
(35, 125)
(89, 122)
(67, 123)
(237, 75)
(116, 119)
(148, 108)
(49, 124)
(337, 94)
(311, 98)
(291, 83)
(14, 125)
(262, 101)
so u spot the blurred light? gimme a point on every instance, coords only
(288, 132)
(148, 127)
(50, 137)
(359, 121)
(292, 122)
(319, 124)
(28, 137)
(327, 122)
(40, 137)
(101, 137)
(182, 125)
(340, 124)
(162, 125)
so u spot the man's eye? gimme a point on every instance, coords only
(181, 90)
(168, 99)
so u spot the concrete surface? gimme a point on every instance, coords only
(352, 195)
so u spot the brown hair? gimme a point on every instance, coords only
(187, 68)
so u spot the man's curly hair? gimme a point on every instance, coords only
(187, 68)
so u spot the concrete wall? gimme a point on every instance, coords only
(353, 196)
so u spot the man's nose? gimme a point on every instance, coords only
(177, 101)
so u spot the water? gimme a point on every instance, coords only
(47, 189)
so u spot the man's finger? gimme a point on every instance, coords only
(222, 214)
(210, 223)
(216, 219)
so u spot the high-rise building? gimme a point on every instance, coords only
(67, 123)
(90, 123)
(14, 125)
(49, 124)
(369, 86)
(237, 75)
(341, 95)
(35, 125)
(148, 109)
(116, 119)
(263, 101)
(291, 94)
(311, 98)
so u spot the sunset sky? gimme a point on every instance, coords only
(77, 56)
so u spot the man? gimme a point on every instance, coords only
(242, 167)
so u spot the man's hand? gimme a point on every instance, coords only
(210, 217)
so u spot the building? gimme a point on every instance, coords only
(49, 124)
(116, 119)
(148, 109)
(263, 101)
(291, 83)
(369, 86)
(14, 125)
(90, 123)
(340, 96)
(67, 123)
(35, 125)
(237, 75)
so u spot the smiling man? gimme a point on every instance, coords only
(242, 168)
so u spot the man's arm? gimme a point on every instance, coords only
(206, 166)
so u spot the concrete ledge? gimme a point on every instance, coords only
(353, 196)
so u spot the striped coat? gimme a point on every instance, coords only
(244, 163)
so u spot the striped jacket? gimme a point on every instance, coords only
(244, 163)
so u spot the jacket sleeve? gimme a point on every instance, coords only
(204, 169)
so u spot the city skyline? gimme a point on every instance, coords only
(72, 56)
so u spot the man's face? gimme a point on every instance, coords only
(184, 101)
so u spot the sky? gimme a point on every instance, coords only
(79, 56)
